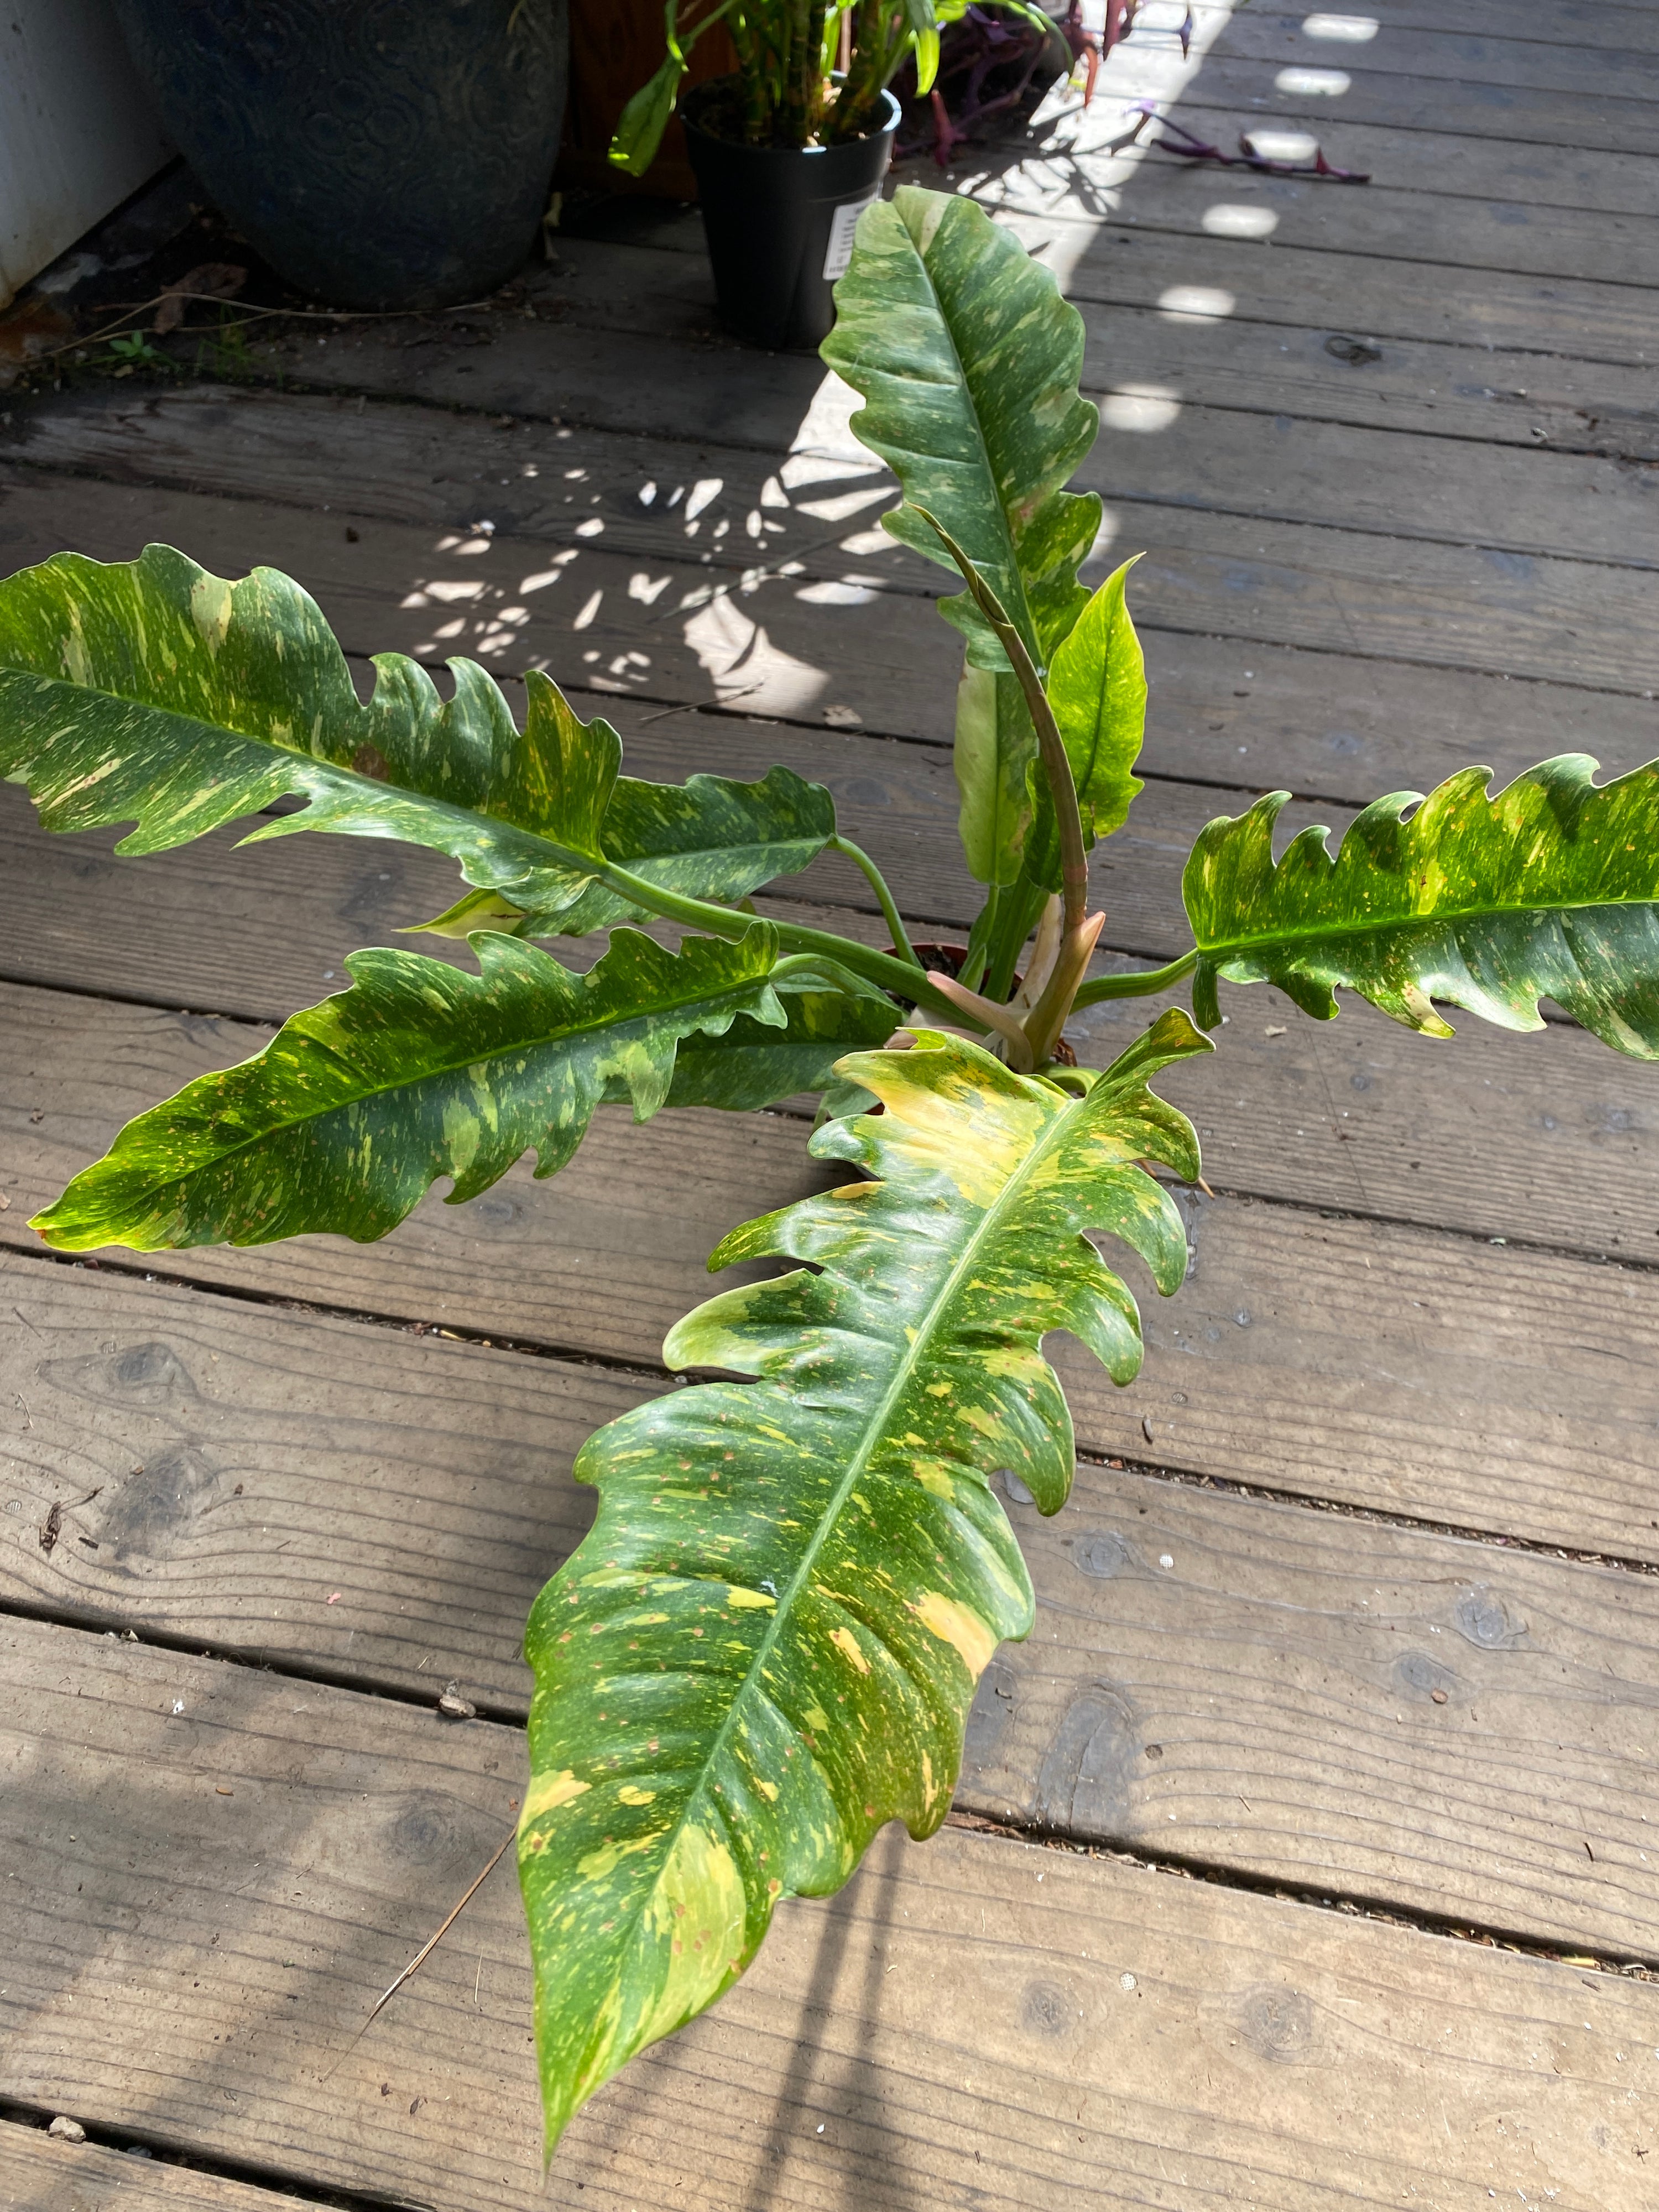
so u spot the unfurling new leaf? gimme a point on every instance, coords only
(768, 1645)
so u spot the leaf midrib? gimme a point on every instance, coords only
(436, 1074)
(1028, 627)
(1224, 947)
(874, 1429)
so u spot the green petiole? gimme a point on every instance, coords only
(1138, 983)
(890, 913)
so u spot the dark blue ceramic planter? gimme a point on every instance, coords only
(377, 153)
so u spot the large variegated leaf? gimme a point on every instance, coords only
(968, 359)
(768, 1645)
(707, 838)
(356, 1107)
(1549, 889)
(151, 692)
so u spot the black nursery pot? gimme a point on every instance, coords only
(779, 221)
(377, 153)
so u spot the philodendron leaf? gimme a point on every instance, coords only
(642, 122)
(1547, 888)
(1098, 689)
(707, 838)
(995, 754)
(150, 691)
(768, 1645)
(752, 1065)
(356, 1107)
(968, 359)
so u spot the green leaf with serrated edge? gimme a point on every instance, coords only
(1547, 889)
(968, 359)
(151, 692)
(751, 1066)
(356, 1107)
(707, 838)
(768, 1645)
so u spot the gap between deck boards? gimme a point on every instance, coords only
(1274, 1693)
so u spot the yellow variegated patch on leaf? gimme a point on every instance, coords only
(768, 1645)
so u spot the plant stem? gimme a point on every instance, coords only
(754, 87)
(804, 76)
(1020, 907)
(1056, 762)
(865, 75)
(898, 978)
(815, 963)
(1138, 983)
(890, 913)
(1048, 1017)
(979, 941)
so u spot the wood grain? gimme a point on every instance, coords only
(1591, 24)
(1613, 75)
(1301, 1698)
(1118, 2032)
(1591, 341)
(580, 367)
(380, 1509)
(1470, 1404)
(40, 2175)
(404, 464)
(790, 650)
(1440, 164)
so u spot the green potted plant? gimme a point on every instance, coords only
(790, 149)
(768, 1646)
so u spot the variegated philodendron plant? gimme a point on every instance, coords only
(768, 1645)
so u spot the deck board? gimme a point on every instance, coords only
(40, 2175)
(861, 644)
(1242, 1683)
(1339, 1586)
(1471, 1403)
(952, 2023)
(402, 464)
(1618, 74)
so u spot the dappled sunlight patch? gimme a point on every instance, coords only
(1140, 407)
(1289, 147)
(735, 652)
(1196, 303)
(1347, 30)
(1313, 83)
(1239, 219)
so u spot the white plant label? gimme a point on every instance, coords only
(844, 224)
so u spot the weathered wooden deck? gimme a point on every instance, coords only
(1342, 1711)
